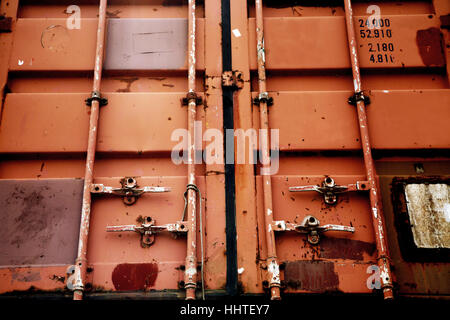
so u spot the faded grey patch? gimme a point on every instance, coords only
(429, 214)
(146, 44)
(40, 221)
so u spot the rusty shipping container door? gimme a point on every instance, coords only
(190, 149)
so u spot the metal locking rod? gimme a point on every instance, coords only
(310, 226)
(371, 173)
(80, 268)
(330, 189)
(273, 270)
(129, 190)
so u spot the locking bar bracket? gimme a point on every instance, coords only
(130, 190)
(358, 96)
(148, 229)
(330, 189)
(310, 226)
(96, 96)
(192, 96)
(263, 97)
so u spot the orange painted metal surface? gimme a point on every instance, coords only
(298, 55)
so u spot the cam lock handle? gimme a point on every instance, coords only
(310, 226)
(330, 189)
(148, 230)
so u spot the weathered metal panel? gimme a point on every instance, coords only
(297, 49)
(46, 73)
(40, 221)
(47, 44)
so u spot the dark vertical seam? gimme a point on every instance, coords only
(230, 186)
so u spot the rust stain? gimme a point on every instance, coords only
(113, 14)
(317, 276)
(429, 42)
(335, 248)
(134, 276)
(29, 276)
(129, 82)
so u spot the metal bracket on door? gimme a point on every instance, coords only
(358, 96)
(192, 96)
(96, 96)
(330, 189)
(310, 226)
(148, 230)
(130, 190)
(263, 97)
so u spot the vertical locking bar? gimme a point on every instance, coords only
(190, 279)
(272, 264)
(376, 207)
(81, 261)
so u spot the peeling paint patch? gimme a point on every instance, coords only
(28, 276)
(134, 276)
(236, 33)
(336, 248)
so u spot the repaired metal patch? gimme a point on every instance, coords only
(430, 44)
(134, 276)
(316, 276)
(40, 221)
(146, 44)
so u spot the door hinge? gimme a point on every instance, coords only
(233, 79)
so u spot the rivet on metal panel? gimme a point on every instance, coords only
(129, 191)
(330, 189)
(310, 226)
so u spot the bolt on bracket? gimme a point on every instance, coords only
(148, 230)
(310, 226)
(130, 190)
(330, 189)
